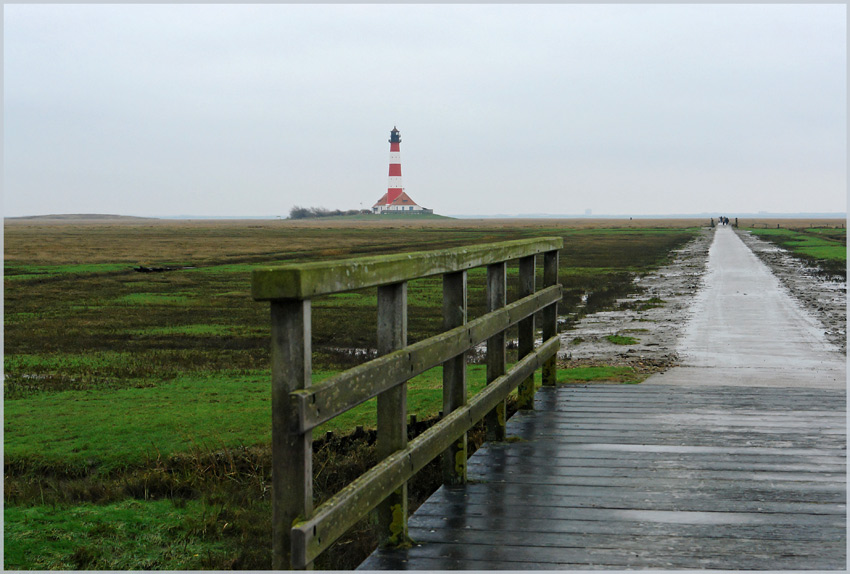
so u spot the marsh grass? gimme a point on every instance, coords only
(608, 374)
(203, 509)
(124, 389)
(822, 248)
(621, 339)
(154, 535)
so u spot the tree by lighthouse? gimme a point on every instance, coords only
(396, 200)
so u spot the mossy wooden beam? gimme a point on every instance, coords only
(495, 358)
(333, 518)
(525, 331)
(453, 465)
(292, 463)
(392, 410)
(324, 400)
(302, 281)
(549, 317)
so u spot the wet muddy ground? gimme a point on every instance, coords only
(657, 328)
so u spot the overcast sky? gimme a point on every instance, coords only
(228, 110)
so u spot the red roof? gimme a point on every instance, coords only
(402, 199)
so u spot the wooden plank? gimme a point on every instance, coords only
(454, 375)
(625, 480)
(600, 534)
(305, 280)
(676, 483)
(757, 518)
(671, 491)
(637, 475)
(549, 316)
(446, 563)
(496, 298)
(534, 503)
(719, 555)
(490, 524)
(525, 331)
(335, 395)
(392, 411)
(292, 453)
(341, 511)
(651, 460)
(589, 418)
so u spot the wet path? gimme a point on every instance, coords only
(746, 330)
(736, 461)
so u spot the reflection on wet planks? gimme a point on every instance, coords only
(647, 476)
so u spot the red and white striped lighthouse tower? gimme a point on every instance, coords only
(396, 200)
(394, 190)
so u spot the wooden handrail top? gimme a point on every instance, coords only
(306, 280)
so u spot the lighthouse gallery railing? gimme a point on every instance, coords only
(301, 532)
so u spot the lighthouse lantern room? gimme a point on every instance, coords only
(396, 200)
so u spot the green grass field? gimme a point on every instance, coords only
(825, 248)
(137, 407)
(152, 535)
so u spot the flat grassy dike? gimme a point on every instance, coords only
(136, 405)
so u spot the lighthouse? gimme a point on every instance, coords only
(396, 200)
(394, 190)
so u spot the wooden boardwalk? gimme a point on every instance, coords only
(647, 476)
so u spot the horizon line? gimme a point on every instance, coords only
(760, 214)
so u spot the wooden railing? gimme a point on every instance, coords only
(301, 532)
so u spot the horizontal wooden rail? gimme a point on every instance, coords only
(325, 400)
(306, 280)
(330, 520)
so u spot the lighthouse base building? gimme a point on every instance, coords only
(398, 204)
(396, 200)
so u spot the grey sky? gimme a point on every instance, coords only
(249, 110)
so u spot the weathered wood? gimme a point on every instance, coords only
(549, 316)
(305, 280)
(297, 409)
(431, 516)
(454, 375)
(703, 478)
(671, 494)
(392, 410)
(495, 358)
(337, 394)
(471, 553)
(340, 512)
(292, 453)
(525, 331)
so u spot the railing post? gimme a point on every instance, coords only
(549, 316)
(392, 409)
(525, 332)
(454, 375)
(496, 298)
(292, 453)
